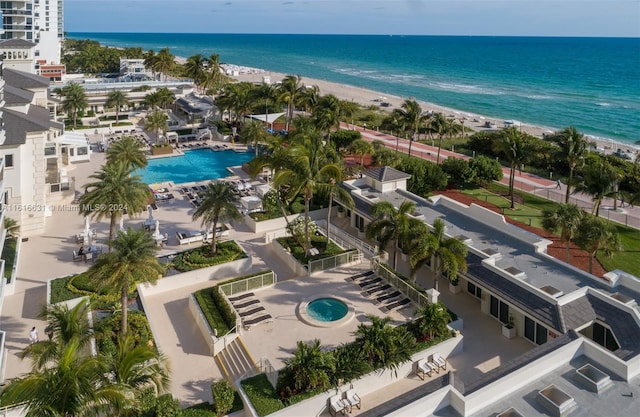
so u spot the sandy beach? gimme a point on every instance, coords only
(367, 97)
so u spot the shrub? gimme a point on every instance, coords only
(212, 308)
(197, 412)
(138, 326)
(201, 257)
(458, 171)
(262, 395)
(167, 406)
(9, 256)
(222, 397)
(60, 292)
(485, 169)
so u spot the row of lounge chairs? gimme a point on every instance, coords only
(426, 367)
(344, 404)
(381, 292)
(248, 308)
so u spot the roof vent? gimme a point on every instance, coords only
(552, 291)
(623, 299)
(511, 412)
(515, 272)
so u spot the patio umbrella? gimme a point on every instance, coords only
(87, 226)
(156, 233)
(150, 209)
(122, 224)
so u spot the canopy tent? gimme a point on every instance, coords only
(75, 147)
(251, 203)
(266, 118)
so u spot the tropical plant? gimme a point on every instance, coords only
(156, 122)
(132, 261)
(127, 150)
(214, 78)
(194, 69)
(12, 227)
(164, 62)
(432, 320)
(449, 254)
(289, 92)
(115, 191)
(310, 367)
(361, 148)
(332, 187)
(223, 397)
(115, 100)
(439, 125)
(597, 181)
(253, 133)
(383, 345)
(351, 364)
(74, 101)
(485, 169)
(418, 244)
(218, 205)
(411, 116)
(597, 235)
(390, 225)
(573, 148)
(566, 219)
(514, 146)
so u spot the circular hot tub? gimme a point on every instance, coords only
(325, 310)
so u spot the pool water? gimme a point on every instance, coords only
(195, 165)
(327, 309)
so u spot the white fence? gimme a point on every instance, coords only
(345, 240)
(353, 256)
(388, 275)
(258, 281)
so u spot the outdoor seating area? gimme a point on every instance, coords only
(139, 137)
(194, 194)
(248, 308)
(380, 292)
(242, 187)
(344, 403)
(88, 254)
(427, 366)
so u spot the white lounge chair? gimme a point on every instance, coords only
(337, 405)
(352, 398)
(424, 367)
(439, 361)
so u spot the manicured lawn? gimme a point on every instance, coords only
(318, 242)
(220, 318)
(526, 214)
(627, 259)
(9, 256)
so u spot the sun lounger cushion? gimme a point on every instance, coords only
(252, 322)
(241, 296)
(377, 289)
(360, 276)
(245, 303)
(251, 312)
(369, 282)
(397, 305)
(387, 297)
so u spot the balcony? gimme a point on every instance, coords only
(14, 12)
(18, 27)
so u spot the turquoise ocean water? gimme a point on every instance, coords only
(590, 83)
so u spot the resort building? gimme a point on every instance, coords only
(34, 151)
(135, 69)
(18, 54)
(38, 21)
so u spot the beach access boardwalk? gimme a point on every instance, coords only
(542, 187)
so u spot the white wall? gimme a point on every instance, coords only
(280, 222)
(284, 256)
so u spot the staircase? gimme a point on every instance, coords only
(235, 361)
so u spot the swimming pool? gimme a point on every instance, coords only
(195, 165)
(327, 309)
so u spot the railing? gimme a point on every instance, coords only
(268, 369)
(276, 234)
(248, 284)
(349, 241)
(334, 261)
(389, 275)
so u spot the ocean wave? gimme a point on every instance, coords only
(603, 104)
(537, 96)
(466, 88)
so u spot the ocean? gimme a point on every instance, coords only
(590, 83)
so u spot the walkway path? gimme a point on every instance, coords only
(543, 187)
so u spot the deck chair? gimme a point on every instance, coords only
(439, 361)
(76, 257)
(396, 305)
(423, 368)
(370, 292)
(360, 276)
(251, 312)
(352, 398)
(241, 297)
(388, 297)
(244, 304)
(261, 319)
(337, 405)
(369, 282)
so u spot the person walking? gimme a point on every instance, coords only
(33, 335)
(49, 332)
(558, 184)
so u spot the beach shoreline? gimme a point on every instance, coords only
(367, 97)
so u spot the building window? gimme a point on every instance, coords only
(83, 151)
(603, 336)
(474, 290)
(8, 161)
(534, 331)
(50, 150)
(499, 310)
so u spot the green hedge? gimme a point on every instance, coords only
(60, 292)
(80, 285)
(318, 242)
(262, 395)
(9, 256)
(215, 309)
(201, 257)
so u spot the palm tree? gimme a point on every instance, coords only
(597, 181)
(214, 78)
(164, 62)
(390, 225)
(306, 173)
(116, 99)
(115, 191)
(565, 219)
(573, 149)
(333, 189)
(12, 227)
(419, 245)
(266, 92)
(194, 69)
(218, 205)
(361, 148)
(326, 113)
(253, 133)
(438, 124)
(132, 261)
(515, 148)
(165, 97)
(595, 234)
(290, 91)
(156, 122)
(150, 59)
(310, 367)
(411, 115)
(152, 100)
(450, 254)
(433, 320)
(383, 345)
(127, 150)
(75, 100)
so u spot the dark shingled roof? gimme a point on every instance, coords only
(21, 79)
(588, 308)
(517, 363)
(16, 43)
(15, 96)
(18, 124)
(514, 294)
(384, 174)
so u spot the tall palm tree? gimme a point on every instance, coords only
(597, 235)
(116, 99)
(194, 69)
(253, 133)
(74, 101)
(127, 150)
(218, 205)
(152, 100)
(433, 320)
(514, 146)
(419, 245)
(383, 345)
(214, 78)
(310, 98)
(412, 117)
(290, 91)
(573, 149)
(132, 261)
(361, 148)
(332, 187)
(438, 124)
(114, 191)
(306, 173)
(266, 93)
(165, 97)
(156, 121)
(564, 219)
(164, 62)
(597, 181)
(449, 254)
(390, 225)
(150, 59)
(310, 366)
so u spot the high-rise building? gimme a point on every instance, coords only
(38, 21)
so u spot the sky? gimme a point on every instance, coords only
(620, 18)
